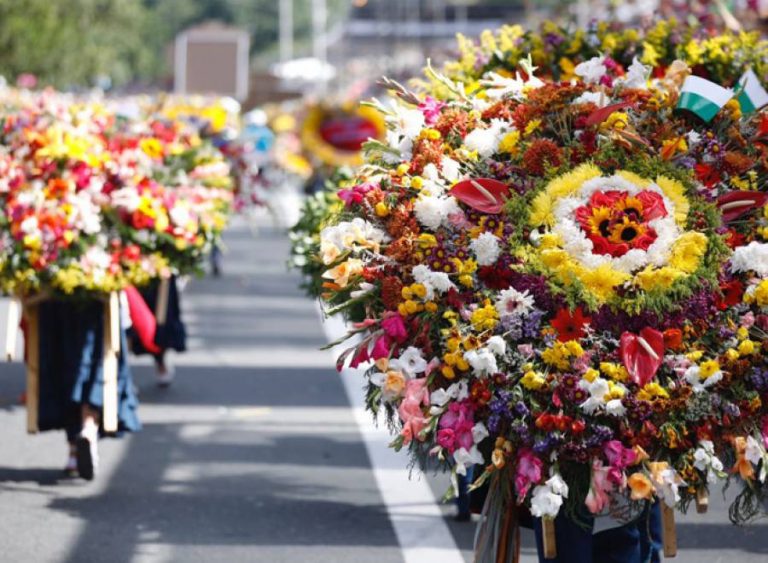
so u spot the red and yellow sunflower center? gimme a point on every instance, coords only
(617, 222)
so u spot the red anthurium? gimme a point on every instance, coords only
(484, 194)
(600, 115)
(570, 326)
(735, 204)
(642, 354)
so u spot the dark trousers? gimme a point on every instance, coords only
(636, 542)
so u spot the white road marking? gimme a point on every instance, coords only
(418, 522)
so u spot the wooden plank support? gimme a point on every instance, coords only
(32, 316)
(12, 328)
(669, 532)
(548, 538)
(110, 353)
(702, 500)
(161, 306)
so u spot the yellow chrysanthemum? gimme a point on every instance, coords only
(687, 251)
(602, 281)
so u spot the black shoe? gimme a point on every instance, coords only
(463, 517)
(86, 458)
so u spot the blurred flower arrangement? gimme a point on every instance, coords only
(718, 56)
(566, 282)
(95, 200)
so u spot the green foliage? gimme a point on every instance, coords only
(71, 43)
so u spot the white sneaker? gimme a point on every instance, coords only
(87, 451)
(165, 378)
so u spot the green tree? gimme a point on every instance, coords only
(72, 42)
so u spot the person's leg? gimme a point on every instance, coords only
(574, 542)
(463, 482)
(165, 371)
(649, 527)
(618, 545)
(86, 444)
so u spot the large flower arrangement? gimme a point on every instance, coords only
(719, 56)
(94, 201)
(565, 282)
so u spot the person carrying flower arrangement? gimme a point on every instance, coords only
(566, 283)
(70, 349)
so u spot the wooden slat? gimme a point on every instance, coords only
(12, 328)
(110, 353)
(669, 531)
(702, 501)
(32, 315)
(548, 538)
(161, 306)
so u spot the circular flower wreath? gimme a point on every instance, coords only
(566, 283)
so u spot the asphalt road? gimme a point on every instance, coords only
(254, 454)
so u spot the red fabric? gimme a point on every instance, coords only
(143, 319)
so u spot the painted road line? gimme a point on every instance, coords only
(416, 517)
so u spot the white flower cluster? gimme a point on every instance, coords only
(349, 235)
(751, 258)
(483, 360)
(598, 390)
(435, 211)
(548, 498)
(706, 460)
(433, 281)
(486, 141)
(486, 249)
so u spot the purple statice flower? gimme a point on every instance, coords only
(686, 162)
(546, 444)
(731, 410)
(553, 39)
(759, 379)
(520, 428)
(521, 409)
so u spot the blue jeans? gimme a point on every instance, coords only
(636, 542)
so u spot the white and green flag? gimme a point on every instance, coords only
(753, 96)
(703, 97)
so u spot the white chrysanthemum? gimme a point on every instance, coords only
(433, 212)
(753, 257)
(486, 141)
(450, 169)
(486, 249)
(511, 302)
(592, 71)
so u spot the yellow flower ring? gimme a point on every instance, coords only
(601, 232)
(335, 135)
